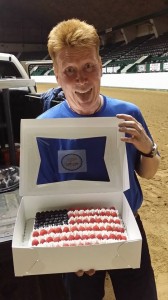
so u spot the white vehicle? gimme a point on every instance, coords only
(25, 103)
(38, 67)
(10, 67)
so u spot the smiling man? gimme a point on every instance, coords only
(74, 48)
(80, 79)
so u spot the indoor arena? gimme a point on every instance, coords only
(134, 69)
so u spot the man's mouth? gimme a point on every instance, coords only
(83, 93)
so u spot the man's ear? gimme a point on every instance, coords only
(100, 61)
(56, 73)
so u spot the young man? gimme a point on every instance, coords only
(74, 48)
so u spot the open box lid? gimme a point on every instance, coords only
(85, 130)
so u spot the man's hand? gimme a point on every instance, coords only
(136, 134)
(81, 272)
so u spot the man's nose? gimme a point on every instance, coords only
(81, 77)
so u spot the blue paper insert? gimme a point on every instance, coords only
(72, 159)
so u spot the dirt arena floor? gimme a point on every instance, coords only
(154, 211)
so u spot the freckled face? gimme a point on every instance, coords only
(78, 72)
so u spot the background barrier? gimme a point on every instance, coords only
(136, 80)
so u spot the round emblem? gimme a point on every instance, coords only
(71, 162)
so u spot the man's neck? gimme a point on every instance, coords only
(98, 106)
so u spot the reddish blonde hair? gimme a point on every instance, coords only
(72, 33)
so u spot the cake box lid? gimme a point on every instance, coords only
(73, 148)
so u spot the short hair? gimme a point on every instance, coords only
(72, 33)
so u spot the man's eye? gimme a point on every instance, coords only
(70, 71)
(89, 67)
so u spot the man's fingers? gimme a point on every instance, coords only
(80, 273)
(125, 117)
(90, 272)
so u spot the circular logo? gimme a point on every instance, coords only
(71, 162)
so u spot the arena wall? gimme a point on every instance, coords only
(156, 81)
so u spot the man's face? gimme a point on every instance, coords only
(78, 72)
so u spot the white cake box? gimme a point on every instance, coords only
(30, 260)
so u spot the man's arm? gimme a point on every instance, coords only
(137, 136)
(148, 166)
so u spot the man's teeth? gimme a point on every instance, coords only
(83, 92)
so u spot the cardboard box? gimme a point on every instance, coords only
(38, 197)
